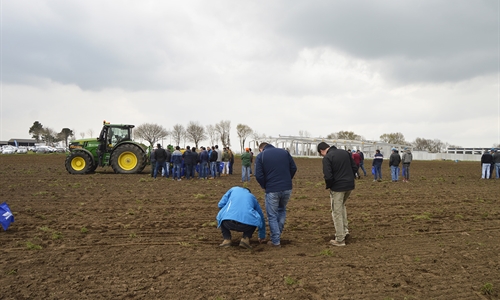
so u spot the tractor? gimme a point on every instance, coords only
(113, 147)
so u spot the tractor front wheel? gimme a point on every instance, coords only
(128, 159)
(78, 162)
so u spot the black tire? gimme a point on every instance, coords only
(79, 162)
(128, 159)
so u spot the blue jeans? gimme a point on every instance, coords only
(406, 171)
(245, 173)
(203, 170)
(213, 168)
(160, 165)
(497, 167)
(176, 172)
(276, 213)
(394, 173)
(378, 173)
(189, 171)
(362, 167)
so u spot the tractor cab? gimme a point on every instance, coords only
(110, 136)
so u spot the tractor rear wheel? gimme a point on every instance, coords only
(78, 162)
(128, 159)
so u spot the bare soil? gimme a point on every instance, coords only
(111, 236)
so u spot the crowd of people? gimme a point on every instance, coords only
(191, 163)
(490, 163)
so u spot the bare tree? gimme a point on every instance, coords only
(223, 129)
(258, 138)
(212, 134)
(90, 132)
(304, 133)
(433, 146)
(243, 132)
(394, 138)
(348, 135)
(49, 136)
(332, 136)
(82, 135)
(195, 133)
(178, 133)
(150, 132)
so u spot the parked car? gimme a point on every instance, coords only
(44, 149)
(8, 149)
(22, 150)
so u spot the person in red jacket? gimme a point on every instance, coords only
(357, 160)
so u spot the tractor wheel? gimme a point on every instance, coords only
(79, 162)
(128, 159)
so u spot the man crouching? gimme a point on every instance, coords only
(240, 211)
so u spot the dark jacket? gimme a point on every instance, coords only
(394, 159)
(487, 158)
(160, 155)
(378, 158)
(203, 157)
(190, 157)
(213, 156)
(338, 170)
(274, 169)
(496, 157)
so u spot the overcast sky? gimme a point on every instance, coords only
(427, 69)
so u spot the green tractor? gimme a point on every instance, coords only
(113, 147)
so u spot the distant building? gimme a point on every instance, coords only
(22, 142)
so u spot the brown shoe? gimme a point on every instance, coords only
(335, 243)
(270, 243)
(245, 243)
(225, 243)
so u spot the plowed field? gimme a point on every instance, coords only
(111, 236)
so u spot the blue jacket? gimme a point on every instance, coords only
(378, 159)
(176, 157)
(274, 169)
(238, 204)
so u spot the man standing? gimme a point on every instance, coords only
(219, 159)
(378, 158)
(496, 161)
(177, 162)
(407, 159)
(357, 161)
(361, 162)
(213, 163)
(394, 161)
(161, 155)
(203, 158)
(240, 211)
(338, 170)
(245, 165)
(486, 161)
(492, 166)
(189, 161)
(274, 171)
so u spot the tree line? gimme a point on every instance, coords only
(220, 132)
(48, 135)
